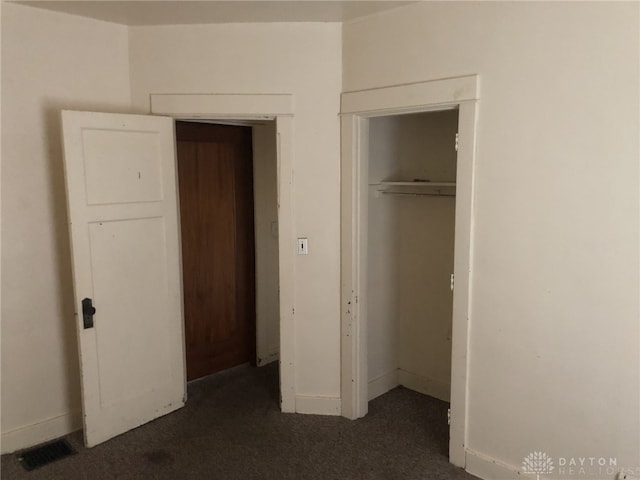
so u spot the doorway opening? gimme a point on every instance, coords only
(410, 250)
(256, 108)
(227, 175)
(362, 113)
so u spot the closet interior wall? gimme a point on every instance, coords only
(265, 208)
(410, 253)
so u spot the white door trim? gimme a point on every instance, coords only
(236, 106)
(357, 108)
(256, 107)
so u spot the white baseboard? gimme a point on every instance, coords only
(488, 468)
(382, 384)
(30, 435)
(318, 405)
(427, 386)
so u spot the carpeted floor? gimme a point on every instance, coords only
(231, 429)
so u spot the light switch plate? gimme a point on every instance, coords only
(303, 246)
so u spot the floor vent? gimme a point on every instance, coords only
(39, 456)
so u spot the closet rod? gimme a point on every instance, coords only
(413, 194)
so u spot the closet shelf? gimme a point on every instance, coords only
(414, 184)
(416, 189)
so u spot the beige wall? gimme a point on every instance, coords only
(554, 358)
(49, 62)
(302, 59)
(554, 321)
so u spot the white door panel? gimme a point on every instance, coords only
(138, 247)
(122, 167)
(121, 192)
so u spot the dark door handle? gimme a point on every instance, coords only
(88, 310)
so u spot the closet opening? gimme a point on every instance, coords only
(411, 204)
(227, 177)
(382, 129)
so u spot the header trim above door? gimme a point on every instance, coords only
(410, 97)
(236, 106)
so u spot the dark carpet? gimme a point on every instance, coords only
(231, 428)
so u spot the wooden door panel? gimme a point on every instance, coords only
(216, 205)
(245, 242)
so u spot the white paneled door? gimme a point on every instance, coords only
(121, 192)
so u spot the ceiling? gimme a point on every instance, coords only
(177, 12)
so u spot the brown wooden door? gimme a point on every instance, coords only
(218, 254)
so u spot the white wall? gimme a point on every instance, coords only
(50, 62)
(265, 212)
(554, 357)
(383, 302)
(302, 59)
(554, 362)
(410, 254)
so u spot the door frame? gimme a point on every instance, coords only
(356, 109)
(247, 107)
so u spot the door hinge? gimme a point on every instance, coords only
(457, 140)
(448, 416)
(453, 281)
